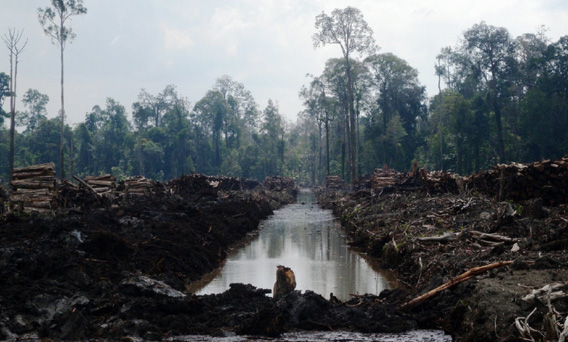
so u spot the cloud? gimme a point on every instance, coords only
(176, 39)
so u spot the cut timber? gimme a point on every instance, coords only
(459, 279)
(27, 197)
(32, 184)
(26, 175)
(106, 177)
(100, 183)
(34, 188)
(86, 185)
(32, 168)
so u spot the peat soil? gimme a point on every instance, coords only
(108, 271)
(121, 271)
(430, 237)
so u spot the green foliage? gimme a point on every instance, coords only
(35, 103)
(4, 93)
(499, 99)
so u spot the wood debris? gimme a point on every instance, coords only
(547, 179)
(459, 279)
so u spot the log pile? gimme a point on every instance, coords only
(139, 186)
(34, 188)
(101, 184)
(385, 178)
(419, 179)
(334, 183)
(547, 179)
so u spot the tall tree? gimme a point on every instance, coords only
(491, 50)
(400, 98)
(350, 31)
(54, 21)
(12, 41)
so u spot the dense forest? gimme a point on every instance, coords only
(500, 98)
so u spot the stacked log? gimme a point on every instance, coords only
(420, 179)
(101, 184)
(335, 183)
(34, 188)
(384, 178)
(137, 186)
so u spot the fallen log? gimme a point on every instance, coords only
(459, 279)
(86, 185)
(106, 177)
(103, 183)
(447, 236)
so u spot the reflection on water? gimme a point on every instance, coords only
(307, 239)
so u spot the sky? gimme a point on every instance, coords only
(124, 46)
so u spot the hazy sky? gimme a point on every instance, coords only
(126, 45)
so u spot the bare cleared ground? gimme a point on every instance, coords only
(429, 237)
(102, 271)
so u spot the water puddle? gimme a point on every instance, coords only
(307, 239)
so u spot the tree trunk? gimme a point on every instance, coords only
(320, 159)
(500, 144)
(12, 112)
(62, 138)
(351, 115)
(327, 142)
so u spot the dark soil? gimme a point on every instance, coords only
(123, 269)
(392, 227)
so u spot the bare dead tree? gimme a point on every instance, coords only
(55, 23)
(12, 40)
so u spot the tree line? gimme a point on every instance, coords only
(225, 132)
(499, 99)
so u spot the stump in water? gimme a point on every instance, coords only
(285, 281)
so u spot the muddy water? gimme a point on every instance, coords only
(307, 239)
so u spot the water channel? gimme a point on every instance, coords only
(309, 240)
